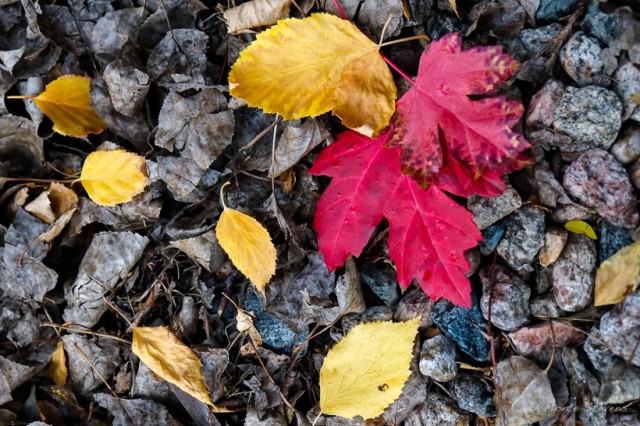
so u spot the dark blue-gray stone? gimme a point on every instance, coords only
(491, 236)
(612, 239)
(551, 10)
(441, 24)
(252, 303)
(277, 336)
(474, 394)
(604, 26)
(382, 281)
(464, 326)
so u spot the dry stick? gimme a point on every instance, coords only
(115, 308)
(553, 348)
(72, 327)
(94, 368)
(491, 344)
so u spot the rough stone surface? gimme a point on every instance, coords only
(488, 211)
(603, 26)
(584, 388)
(536, 342)
(543, 104)
(591, 116)
(546, 307)
(491, 236)
(276, 335)
(382, 281)
(474, 394)
(415, 303)
(543, 280)
(555, 239)
(550, 10)
(620, 328)
(524, 238)
(634, 174)
(509, 298)
(438, 410)
(612, 238)
(573, 274)
(438, 359)
(599, 181)
(464, 326)
(628, 87)
(580, 58)
(627, 148)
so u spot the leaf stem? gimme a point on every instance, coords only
(398, 70)
(340, 11)
(10, 179)
(224, 205)
(19, 97)
(402, 40)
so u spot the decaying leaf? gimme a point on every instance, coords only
(255, 13)
(198, 248)
(365, 372)
(248, 245)
(67, 103)
(618, 276)
(306, 67)
(580, 227)
(113, 177)
(160, 350)
(56, 370)
(53, 203)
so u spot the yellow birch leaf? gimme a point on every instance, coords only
(66, 101)
(160, 350)
(56, 370)
(365, 371)
(248, 245)
(618, 276)
(580, 227)
(113, 177)
(296, 67)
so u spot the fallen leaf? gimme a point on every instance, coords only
(618, 276)
(113, 177)
(437, 115)
(53, 203)
(428, 231)
(198, 248)
(580, 227)
(306, 67)
(366, 370)
(160, 350)
(248, 245)
(56, 370)
(454, 7)
(255, 13)
(57, 227)
(67, 103)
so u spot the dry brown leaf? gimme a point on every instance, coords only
(57, 227)
(255, 13)
(618, 276)
(53, 203)
(56, 370)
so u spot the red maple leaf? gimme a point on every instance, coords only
(437, 115)
(428, 231)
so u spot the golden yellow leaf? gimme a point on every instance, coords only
(113, 177)
(160, 350)
(365, 371)
(248, 245)
(66, 101)
(580, 227)
(296, 67)
(56, 370)
(618, 276)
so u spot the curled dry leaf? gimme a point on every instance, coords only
(248, 245)
(255, 13)
(175, 362)
(365, 372)
(113, 177)
(618, 276)
(306, 67)
(66, 101)
(56, 370)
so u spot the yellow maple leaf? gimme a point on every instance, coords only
(56, 369)
(306, 67)
(160, 350)
(113, 177)
(248, 245)
(366, 370)
(618, 276)
(66, 101)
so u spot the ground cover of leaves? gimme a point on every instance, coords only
(549, 338)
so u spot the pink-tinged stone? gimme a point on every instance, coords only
(543, 104)
(536, 342)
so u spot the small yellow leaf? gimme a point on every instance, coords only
(580, 227)
(248, 245)
(296, 67)
(113, 177)
(56, 370)
(66, 101)
(365, 372)
(172, 360)
(618, 276)
(454, 7)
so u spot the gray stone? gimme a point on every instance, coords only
(599, 181)
(491, 237)
(382, 280)
(474, 394)
(277, 336)
(612, 238)
(438, 359)
(536, 40)
(539, 342)
(584, 387)
(546, 307)
(573, 273)
(603, 26)
(628, 87)
(550, 10)
(543, 104)
(627, 148)
(542, 280)
(413, 304)
(634, 174)
(580, 58)
(591, 116)
(524, 238)
(488, 211)
(509, 298)
(620, 328)
(438, 410)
